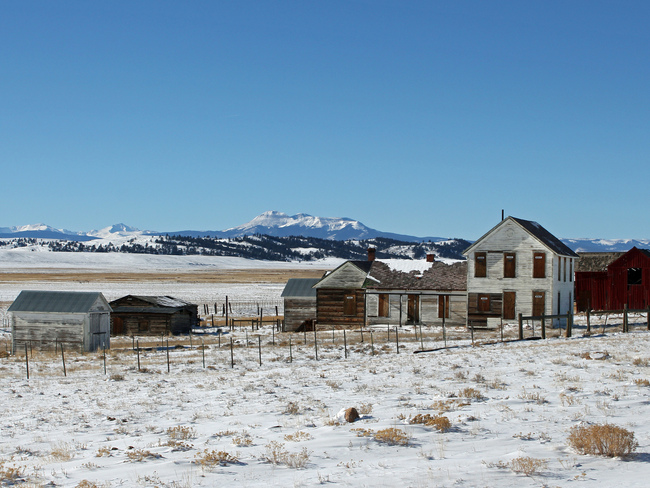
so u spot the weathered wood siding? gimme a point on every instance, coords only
(85, 332)
(297, 311)
(330, 305)
(428, 310)
(508, 240)
(348, 276)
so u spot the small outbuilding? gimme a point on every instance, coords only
(152, 315)
(299, 304)
(44, 319)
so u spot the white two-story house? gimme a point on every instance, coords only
(518, 267)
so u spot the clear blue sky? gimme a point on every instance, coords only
(416, 117)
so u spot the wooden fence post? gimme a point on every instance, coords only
(588, 319)
(315, 343)
(521, 326)
(203, 352)
(626, 324)
(569, 324)
(232, 355)
(372, 343)
(397, 340)
(104, 346)
(167, 355)
(259, 347)
(63, 359)
(543, 328)
(345, 344)
(290, 351)
(26, 361)
(138, 350)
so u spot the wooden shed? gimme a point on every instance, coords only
(46, 318)
(152, 315)
(299, 304)
(624, 281)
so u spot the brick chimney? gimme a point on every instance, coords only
(371, 253)
(431, 258)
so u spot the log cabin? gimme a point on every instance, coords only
(45, 319)
(360, 293)
(518, 267)
(152, 315)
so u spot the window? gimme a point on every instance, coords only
(539, 265)
(384, 305)
(634, 276)
(509, 265)
(480, 265)
(559, 268)
(564, 259)
(350, 304)
(571, 270)
(443, 306)
(483, 302)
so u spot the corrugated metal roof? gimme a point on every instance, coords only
(54, 301)
(300, 288)
(162, 300)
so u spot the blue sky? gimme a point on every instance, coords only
(419, 117)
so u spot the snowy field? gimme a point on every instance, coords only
(509, 407)
(278, 423)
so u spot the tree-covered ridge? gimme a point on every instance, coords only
(270, 248)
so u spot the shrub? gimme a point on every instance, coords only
(276, 454)
(210, 459)
(181, 432)
(438, 422)
(392, 436)
(603, 440)
(527, 465)
(139, 455)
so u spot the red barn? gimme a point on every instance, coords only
(626, 281)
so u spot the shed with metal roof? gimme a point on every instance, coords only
(44, 319)
(152, 315)
(299, 304)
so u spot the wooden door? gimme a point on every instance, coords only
(509, 299)
(443, 306)
(384, 304)
(118, 326)
(413, 309)
(539, 303)
(509, 265)
(350, 304)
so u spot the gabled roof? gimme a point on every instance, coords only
(362, 266)
(630, 255)
(300, 288)
(56, 301)
(162, 301)
(535, 230)
(439, 276)
(596, 261)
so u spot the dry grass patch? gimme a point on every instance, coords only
(211, 459)
(276, 454)
(9, 475)
(392, 436)
(438, 422)
(181, 432)
(139, 455)
(602, 440)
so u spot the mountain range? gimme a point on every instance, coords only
(278, 224)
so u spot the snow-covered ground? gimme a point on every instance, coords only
(153, 428)
(279, 423)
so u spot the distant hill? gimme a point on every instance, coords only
(277, 224)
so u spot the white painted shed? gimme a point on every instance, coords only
(42, 319)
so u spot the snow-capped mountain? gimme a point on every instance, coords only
(606, 245)
(279, 224)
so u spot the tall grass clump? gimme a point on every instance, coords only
(603, 440)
